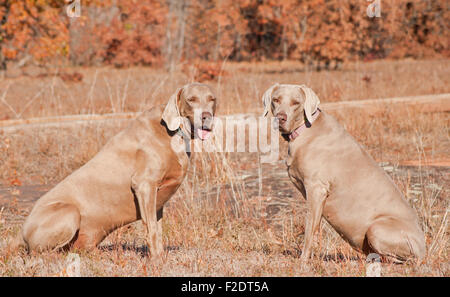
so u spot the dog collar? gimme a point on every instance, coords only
(294, 134)
(186, 139)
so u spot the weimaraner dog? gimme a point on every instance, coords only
(131, 178)
(340, 181)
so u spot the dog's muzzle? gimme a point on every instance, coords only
(204, 132)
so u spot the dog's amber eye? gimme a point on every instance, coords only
(212, 99)
(295, 102)
(276, 100)
(192, 99)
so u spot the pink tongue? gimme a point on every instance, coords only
(203, 134)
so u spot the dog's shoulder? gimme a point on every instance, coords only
(152, 114)
(149, 121)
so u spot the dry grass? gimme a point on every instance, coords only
(105, 90)
(231, 216)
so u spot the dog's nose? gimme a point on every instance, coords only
(282, 117)
(206, 119)
(206, 116)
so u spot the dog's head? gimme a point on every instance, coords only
(191, 107)
(290, 104)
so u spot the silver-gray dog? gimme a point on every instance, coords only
(340, 181)
(131, 178)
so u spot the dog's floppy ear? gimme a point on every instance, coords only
(311, 102)
(267, 99)
(171, 114)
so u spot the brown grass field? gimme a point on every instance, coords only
(232, 216)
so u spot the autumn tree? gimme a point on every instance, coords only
(154, 32)
(32, 29)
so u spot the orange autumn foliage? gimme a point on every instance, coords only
(156, 32)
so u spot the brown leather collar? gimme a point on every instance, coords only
(294, 134)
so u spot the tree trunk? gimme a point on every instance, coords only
(182, 25)
(284, 43)
(216, 52)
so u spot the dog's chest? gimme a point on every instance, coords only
(295, 176)
(175, 174)
(170, 184)
(295, 173)
(173, 179)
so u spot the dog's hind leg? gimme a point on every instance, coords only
(51, 226)
(395, 239)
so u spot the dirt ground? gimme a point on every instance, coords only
(273, 198)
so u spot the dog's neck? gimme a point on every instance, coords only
(306, 124)
(181, 133)
(186, 138)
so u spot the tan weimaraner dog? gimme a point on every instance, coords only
(340, 181)
(131, 178)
